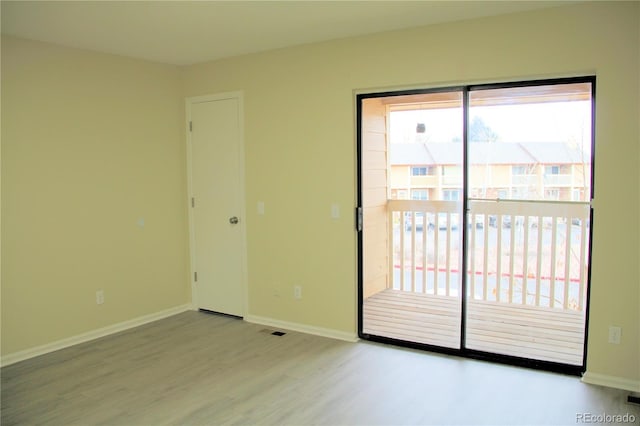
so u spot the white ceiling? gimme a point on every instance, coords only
(188, 32)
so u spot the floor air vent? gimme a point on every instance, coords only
(272, 332)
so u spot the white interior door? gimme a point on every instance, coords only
(217, 189)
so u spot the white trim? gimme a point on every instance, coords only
(189, 153)
(215, 97)
(611, 381)
(239, 96)
(243, 204)
(91, 335)
(302, 328)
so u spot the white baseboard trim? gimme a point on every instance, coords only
(302, 328)
(91, 335)
(611, 381)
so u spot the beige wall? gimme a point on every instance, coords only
(300, 132)
(91, 144)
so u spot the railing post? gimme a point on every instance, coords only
(583, 264)
(402, 227)
(567, 264)
(485, 271)
(425, 269)
(554, 242)
(525, 258)
(472, 261)
(413, 252)
(436, 257)
(539, 259)
(499, 259)
(512, 257)
(391, 262)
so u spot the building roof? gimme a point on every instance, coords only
(485, 153)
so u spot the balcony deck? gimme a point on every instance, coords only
(526, 331)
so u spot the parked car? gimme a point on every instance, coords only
(507, 222)
(479, 218)
(443, 221)
(520, 220)
(576, 221)
(419, 221)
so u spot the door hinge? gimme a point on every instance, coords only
(195, 276)
(193, 201)
(191, 126)
(359, 219)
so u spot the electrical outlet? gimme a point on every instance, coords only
(99, 297)
(615, 333)
(297, 292)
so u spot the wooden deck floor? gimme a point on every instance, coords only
(523, 331)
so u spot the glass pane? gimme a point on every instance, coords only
(529, 183)
(422, 300)
(531, 143)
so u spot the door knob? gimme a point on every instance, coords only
(233, 220)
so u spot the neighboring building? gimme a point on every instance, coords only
(534, 171)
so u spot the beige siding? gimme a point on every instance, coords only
(374, 196)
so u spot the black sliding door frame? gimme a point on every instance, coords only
(463, 351)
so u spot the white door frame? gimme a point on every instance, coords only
(239, 96)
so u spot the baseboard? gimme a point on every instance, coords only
(611, 381)
(91, 335)
(302, 328)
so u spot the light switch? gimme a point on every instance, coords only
(260, 207)
(335, 211)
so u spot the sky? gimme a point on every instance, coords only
(543, 122)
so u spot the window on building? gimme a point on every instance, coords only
(421, 171)
(552, 194)
(451, 194)
(419, 194)
(518, 170)
(552, 170)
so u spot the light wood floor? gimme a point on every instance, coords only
(523, 331)
(202, 369)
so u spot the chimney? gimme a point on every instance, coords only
(421, 136)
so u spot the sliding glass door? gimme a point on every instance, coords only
(507, 279)
(529, 192)
(411, 153)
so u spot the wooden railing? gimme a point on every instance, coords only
(424, 261)
(519, 252)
